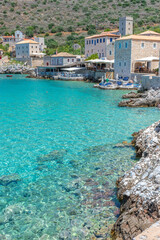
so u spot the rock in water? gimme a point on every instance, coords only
(150, 98)
(55, 155)
(7, 179)
(139, 188)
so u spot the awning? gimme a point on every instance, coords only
(148, 59)
(100, 61)
(72, 69)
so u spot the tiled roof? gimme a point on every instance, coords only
(8, 36)
(141, 38)
(149, 33)
(27, 41)
(104, 34)
(63, 54)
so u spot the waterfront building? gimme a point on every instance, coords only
(102, 44)
(126, 26)
(60, 59)
(28, 51)
(137, 54)
(26, 48)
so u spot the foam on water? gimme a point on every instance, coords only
(59, 137)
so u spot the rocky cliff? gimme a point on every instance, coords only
(139, 188)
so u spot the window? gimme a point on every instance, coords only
(126, 45)
(104, 39)
(100, 40)
(110, 53)
(119, 64)
(111, 39)
(72, 60)
(89, 41)
(97, 40)
(142, 45)
(99, 55)
(154, 45)
(124, 64)
(120, 45)
(68, 59)
(92, 41)
(102, 54)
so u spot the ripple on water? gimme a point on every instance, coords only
(58, 139)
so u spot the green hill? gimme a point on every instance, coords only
(71, 15)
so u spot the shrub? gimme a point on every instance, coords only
(59, 34)
(93, 56)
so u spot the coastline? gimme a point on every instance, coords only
(138, 189)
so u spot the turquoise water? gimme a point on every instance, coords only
(59, 138)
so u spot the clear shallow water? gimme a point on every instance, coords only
(60, 138)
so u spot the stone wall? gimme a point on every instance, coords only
(149, 82)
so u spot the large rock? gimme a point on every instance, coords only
(133, 95)
(139, 188)
(7, 179)
(150, 98)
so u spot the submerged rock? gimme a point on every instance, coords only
(123, 145)
(56, 155)
(7, 179)
(139, 188)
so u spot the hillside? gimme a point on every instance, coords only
(71, 15)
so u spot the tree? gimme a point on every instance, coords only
(51, 43)
(29, 31)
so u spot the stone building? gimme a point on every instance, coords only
(27, 48)
(137, 54)
(60, 59)
(102, 44)
(28, 51)
(126, 26)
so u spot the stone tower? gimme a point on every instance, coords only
(126, 26)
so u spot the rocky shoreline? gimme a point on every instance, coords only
(139, 188)
(149, 98)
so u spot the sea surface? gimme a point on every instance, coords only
(60, 147)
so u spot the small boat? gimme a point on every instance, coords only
(8, 75)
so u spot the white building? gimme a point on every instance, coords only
(26, 49)
(41, 42)
(102, 44)
(19, 36)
